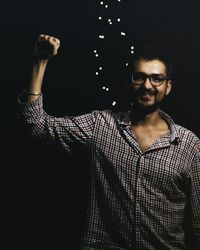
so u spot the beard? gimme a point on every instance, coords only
(140, 102)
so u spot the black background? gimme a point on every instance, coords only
(44, 191)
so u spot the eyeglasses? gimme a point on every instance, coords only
(139, 78)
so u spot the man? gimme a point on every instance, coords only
(144, 168)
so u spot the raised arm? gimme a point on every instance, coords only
(45, 48)
(65, 130)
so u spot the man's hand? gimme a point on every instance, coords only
(46, 47)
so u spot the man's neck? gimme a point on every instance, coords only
(152, 119)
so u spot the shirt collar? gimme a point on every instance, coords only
(124, 119)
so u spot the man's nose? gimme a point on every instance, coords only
(147, 84)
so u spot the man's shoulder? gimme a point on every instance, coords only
(186, 133)
(109, 112)
(112, 116)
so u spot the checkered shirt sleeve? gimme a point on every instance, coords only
(66, 130)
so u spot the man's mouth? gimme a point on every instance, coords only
(147, 94)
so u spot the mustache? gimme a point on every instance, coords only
(143, 91)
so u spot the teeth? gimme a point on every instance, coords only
(148, 94)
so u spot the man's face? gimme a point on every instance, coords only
(148, 95)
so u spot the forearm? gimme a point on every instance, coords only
(36, 80)
(45, 48)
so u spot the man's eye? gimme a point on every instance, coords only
(157, 78)
(139, 77)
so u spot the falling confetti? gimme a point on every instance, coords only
(109, 25)
(114, 103)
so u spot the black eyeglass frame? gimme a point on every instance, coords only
(150, 79)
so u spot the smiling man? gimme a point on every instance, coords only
(151, 82)
(144, 168)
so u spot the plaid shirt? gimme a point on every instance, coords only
(138, 200)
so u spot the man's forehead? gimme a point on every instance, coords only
(150, 66)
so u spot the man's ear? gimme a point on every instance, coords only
(169, 87)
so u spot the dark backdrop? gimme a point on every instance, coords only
(44, 191)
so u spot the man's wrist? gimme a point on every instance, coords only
(39, 62)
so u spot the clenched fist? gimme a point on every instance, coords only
(46, 47)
